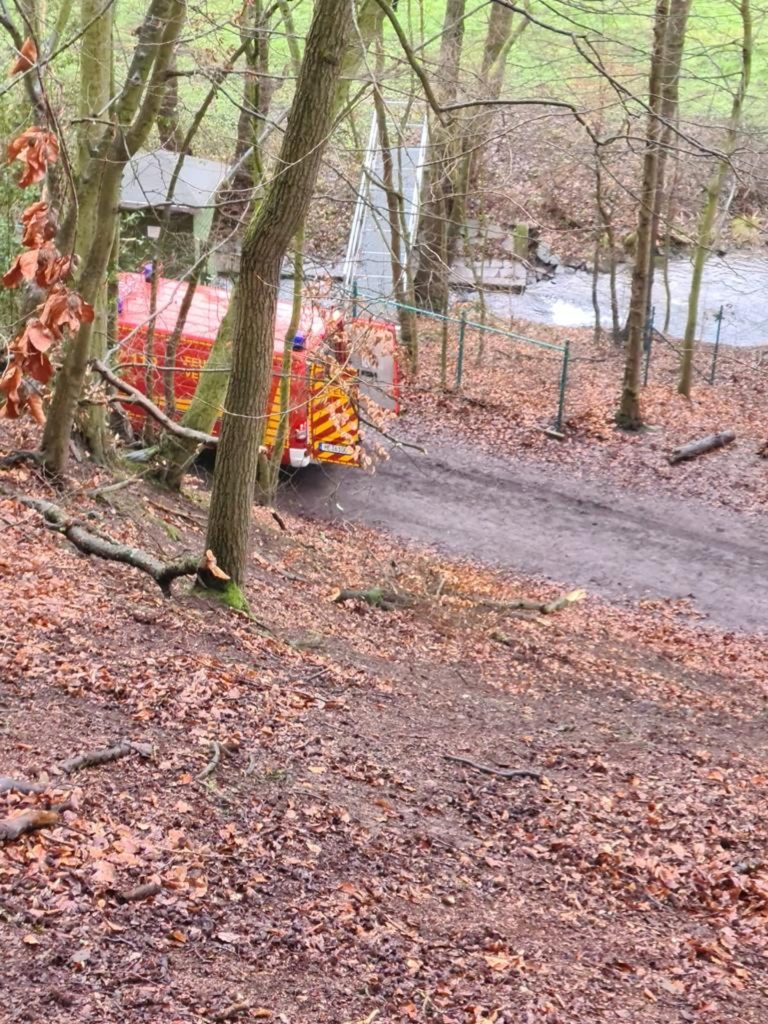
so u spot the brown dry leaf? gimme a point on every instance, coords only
(27, 57)
(39, 225)
(104, 873)
(36, 148)
(23, 268)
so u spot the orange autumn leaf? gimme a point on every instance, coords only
(64, 308)
(27, 57)
(43, 265)
(39, 225)
(23, 268)
(36, 148)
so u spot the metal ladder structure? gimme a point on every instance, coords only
(368, 262)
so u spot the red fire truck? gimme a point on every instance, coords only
(333, 363)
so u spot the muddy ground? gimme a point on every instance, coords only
(552, 522)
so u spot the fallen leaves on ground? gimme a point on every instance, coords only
(333, 866)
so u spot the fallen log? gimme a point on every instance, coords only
(90, 543)
(693, 449)
(92, 758)
(140, 399)
(376, 597)
(17, 825)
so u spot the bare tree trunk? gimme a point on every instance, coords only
(431, 278)
(168, 123)
(266, 241)
(629, 415)
(674, 43)
(606, 221)
(271, 476)
(714, 188)
(397, 252)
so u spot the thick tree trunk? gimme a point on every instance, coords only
(431, 278)
(175, 456)
(629, 414)
(266, 241)
(714, 188)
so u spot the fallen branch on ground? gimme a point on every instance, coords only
(18, 457)
(213, 764)
(91, 758)
(8, 785)
(398, 442)
(693, 449)
(232, 1011)
(141, 892)
(90, 543)
(376, 597)
(530, 604)
(28, 821)
(140, 399)
(504, 773)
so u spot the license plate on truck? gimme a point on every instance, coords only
(337, 449)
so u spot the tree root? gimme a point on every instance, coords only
(91, 758)
(503, 773)
(18, 457)
(90, 543)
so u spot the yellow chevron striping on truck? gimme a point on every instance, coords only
(334, 427)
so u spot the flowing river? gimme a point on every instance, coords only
(738, 283)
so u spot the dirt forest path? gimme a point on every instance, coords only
(547, 522)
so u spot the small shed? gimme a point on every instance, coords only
(146, 182)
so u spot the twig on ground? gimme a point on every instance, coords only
(7, 785)
(91, 758)
(232, 1010)
(504, 773)
(213, 764)
(141, 892)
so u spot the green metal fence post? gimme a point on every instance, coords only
(460, 353)
(719, 319)
(563, 386)
(648, 344)
(354, 298)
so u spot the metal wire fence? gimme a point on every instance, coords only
(459, 355)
